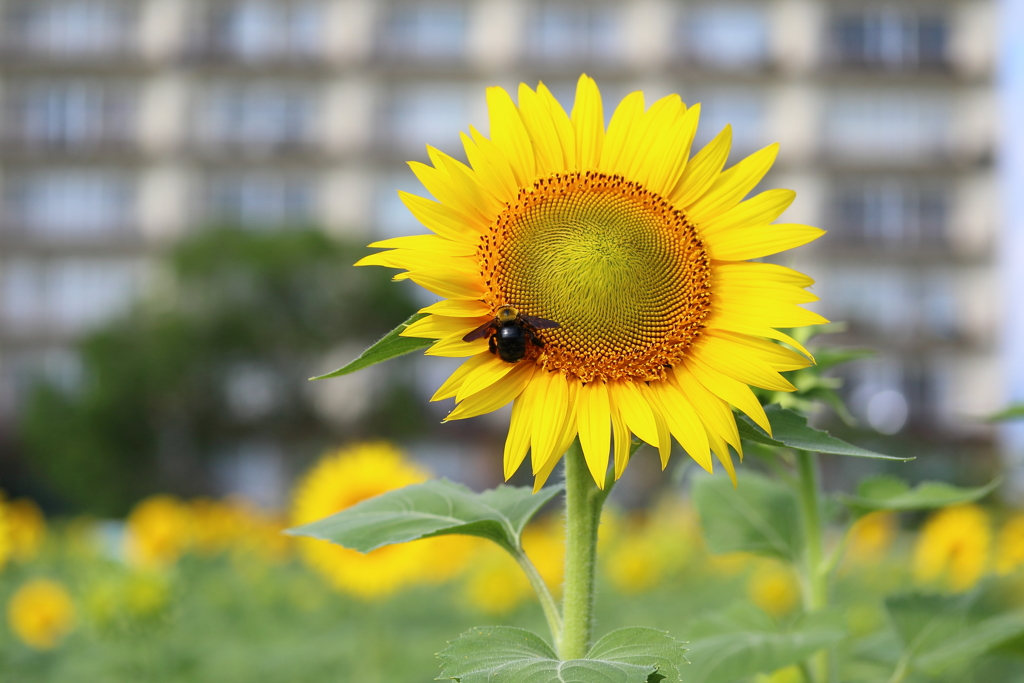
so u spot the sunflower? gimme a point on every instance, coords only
(630, 262)
(348, 476)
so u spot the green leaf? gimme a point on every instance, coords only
(391, 345)
(759, 516)
(502, 654)
(1013, 412)
(790, 430)
(890, 493)
(753, 644)
(937, 635)
(434, 508)
(829, 357)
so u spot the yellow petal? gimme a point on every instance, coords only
(452, 346)
(755, 273)
(431, 244)
(443, 220)
(495, 396)
(567, 435)
(450, 192)
(736, 361)
(588, 122)
(635, 410)
(622, 438)
(702, 169)
(741, 244)
(684, 423)
(620, 129)
(671, 152)
(450, 285)
(510, 136)
(595, 428)
(733, 185)
(761, 209)
(779, 358)
(551, 404)
(546, 148)
(437, 326)
(467, 183)
(728, 389)
(491, 165)
(484, 376)
(659, 411)
(640, 155)
(455, 380)
(413, 260)
(517, 443)
(713, 412)
(562, 124)
(459, 308)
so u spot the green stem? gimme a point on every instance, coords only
(583, 503)
(547, 601)
(815, 580)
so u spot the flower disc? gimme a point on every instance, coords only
(616, 266)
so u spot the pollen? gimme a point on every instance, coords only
(620, 270)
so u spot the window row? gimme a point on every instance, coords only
(901, 212)
(735, 34)
(278, 115)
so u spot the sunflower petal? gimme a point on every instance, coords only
(713, 412)
(622, 439)
(517, 443)
(458, 308)
(451, 385)
(496, 396)
(725, 387)
(550, 404)
(510, 136)
(490, 165)
(430, 244)
(588, 122)
(761, 209)
(741, 244)
(683, 422)
(659, 411)
(736, 361)
(702, 169)
(546, 147)
(483, 376)
(443, 220)
(620, 129)
(594, 424)
(733, 185)
(563, 126)
(635, 410)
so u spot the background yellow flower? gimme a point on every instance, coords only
(41, 613)
(159, 530)
(952, 550)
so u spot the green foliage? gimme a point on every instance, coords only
(790, 430)
(435, 508)
(937, 634)
(891, 493)
(1013, 412)
(153, 408)
(759, 516)
(742, 641)
(501, 654)
(390, 346)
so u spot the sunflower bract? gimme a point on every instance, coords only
(637, 250)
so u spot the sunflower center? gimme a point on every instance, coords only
(615, 265)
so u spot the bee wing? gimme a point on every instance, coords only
(479, 333)
(540, 323)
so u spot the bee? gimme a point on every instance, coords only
(509, 332)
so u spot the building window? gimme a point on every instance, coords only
(65, 296)
(890, 38)
(892, 212)
(69, 204)
(732, 36)
(257, 115)
(744, 109)
(419, 115)
(424, 31)
(259, 199)
(887, 126)
(573, 32)
(263, 30)
(70, 28)
(73, 115)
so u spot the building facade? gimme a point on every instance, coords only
(128, 124)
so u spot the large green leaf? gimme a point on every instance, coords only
(434, 508)
(390, 346)
(1014, 412)
(971, 642)
(790, 430)
(744, 641)
(502, 654)
(759, 516)
(890, 493)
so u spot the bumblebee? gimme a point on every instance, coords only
(509, 331)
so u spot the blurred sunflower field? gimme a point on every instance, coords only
(211, 590)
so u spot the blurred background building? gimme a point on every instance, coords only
(127, 125)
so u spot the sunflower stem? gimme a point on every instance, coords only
(815, 578)
(547, 601)
(583, 503)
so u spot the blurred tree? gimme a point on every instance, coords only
(219, 359)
